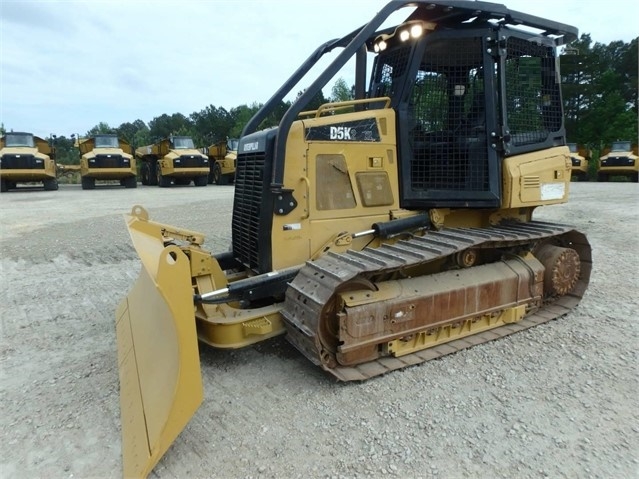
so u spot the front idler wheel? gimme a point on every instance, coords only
(329, 323)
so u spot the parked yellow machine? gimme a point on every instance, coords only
(376, 233)
(222, 157)
(25, 158)
(619, 160)
(174, 160)
(580, 157)
(104, 157)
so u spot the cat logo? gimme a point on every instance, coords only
(342, 133)
(254, 146)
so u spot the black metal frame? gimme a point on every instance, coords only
(424, 199)
(444, 13)
(258, 201)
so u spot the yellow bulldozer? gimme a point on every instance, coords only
(106, 157)
(174, 160)
(375, 233)
(25, 158)
(222, 157)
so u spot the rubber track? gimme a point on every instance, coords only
(318, 280)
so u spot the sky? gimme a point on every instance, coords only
(67, 65)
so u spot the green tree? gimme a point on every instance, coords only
(165, 125)
(609, 117)
(128, 131)
(65, 150)
(142, 137)
(210, 125)
(241, 115)
(599, 85)
(315, 102)
(341, 91)
(100, 128)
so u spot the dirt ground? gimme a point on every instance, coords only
(559, 400)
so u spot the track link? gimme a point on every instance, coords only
(318, 281)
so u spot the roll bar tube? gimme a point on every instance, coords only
(355, 43)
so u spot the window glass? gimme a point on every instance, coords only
(106, 142)
(19, 139)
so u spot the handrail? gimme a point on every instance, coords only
(345, 104)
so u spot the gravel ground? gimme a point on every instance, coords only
(559, 400)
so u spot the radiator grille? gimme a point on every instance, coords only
(618, 161)
(247, 208)
(108, 161)
(21, 162)
(189, 161)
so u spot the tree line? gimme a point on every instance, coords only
(599, 89)
(207, 126)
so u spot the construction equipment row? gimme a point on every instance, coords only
(25, 158)
(620, 159)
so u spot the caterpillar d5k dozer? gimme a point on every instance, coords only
(375, 233)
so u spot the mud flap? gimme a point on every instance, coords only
(158, 359)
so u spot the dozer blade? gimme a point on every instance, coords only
(160, 381)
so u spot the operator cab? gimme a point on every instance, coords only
(465, 97)
(471, 83)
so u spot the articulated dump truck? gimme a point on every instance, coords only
(580, 158)
(174, 160)
(222, 158)
(106, 157)
(621, 159)
(25, 158)
(376, 233)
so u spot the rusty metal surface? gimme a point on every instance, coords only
(309, 310)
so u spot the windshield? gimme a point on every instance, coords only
(182, 143)
(231, 144)
(19, 139)
(572, 147)
(621, 146)
(106, 142)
